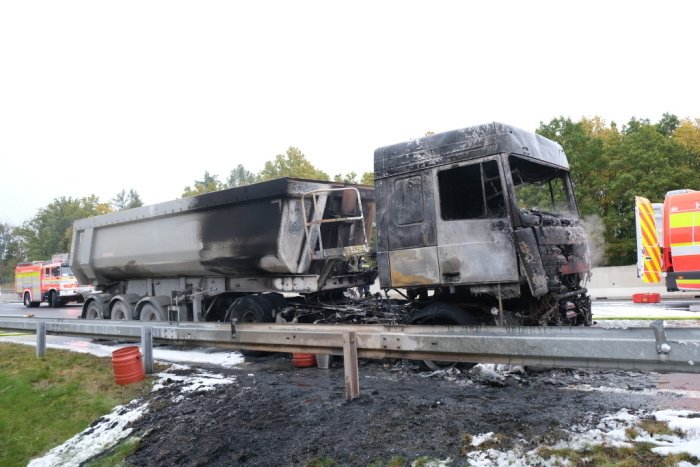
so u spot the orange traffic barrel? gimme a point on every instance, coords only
(127, 365)
(303, 360)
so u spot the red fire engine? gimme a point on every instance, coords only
(668, 240)
(47, 281)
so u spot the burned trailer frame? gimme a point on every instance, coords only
(226, 254)
(479, 224)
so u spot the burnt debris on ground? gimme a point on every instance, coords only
(275, 414)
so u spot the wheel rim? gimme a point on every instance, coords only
(247, 317)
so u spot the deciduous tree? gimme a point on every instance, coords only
(240, 176)
(208, 184)
(124, 200)
(291, 164)
(50, 231)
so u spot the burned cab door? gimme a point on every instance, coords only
(474, 231)
(410, 232)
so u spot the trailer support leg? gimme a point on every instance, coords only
(352, 376)
(40, 339)
(147, 349)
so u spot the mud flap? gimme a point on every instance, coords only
(529, 254)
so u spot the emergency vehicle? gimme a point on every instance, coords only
(48, 281)
(668, 240)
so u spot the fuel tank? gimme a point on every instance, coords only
(255, 230)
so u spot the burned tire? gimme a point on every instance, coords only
(443, 314)
(120, 311)
(93, 310)
(250, 309)
(150, 313)
(28, 301)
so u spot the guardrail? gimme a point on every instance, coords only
(8, 295)
(654, 348)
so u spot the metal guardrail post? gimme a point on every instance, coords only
(40, 339)
(352, 375)
(147, 349)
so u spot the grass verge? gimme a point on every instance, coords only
(47, 400)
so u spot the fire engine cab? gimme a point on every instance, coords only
(668, 240)
(47, 281)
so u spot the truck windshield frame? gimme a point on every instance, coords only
(540, 187)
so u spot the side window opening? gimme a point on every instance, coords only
(471, 192)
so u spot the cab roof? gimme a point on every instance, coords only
(464, 144)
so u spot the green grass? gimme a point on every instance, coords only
(115, 457)
(45, 401)
(638, 456)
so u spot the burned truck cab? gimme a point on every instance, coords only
(483, 220)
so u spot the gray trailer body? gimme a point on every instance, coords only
(275, 236)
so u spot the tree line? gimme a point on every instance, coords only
(50, 231)
(291, 164)
(610, 165)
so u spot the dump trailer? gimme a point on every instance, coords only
(227, 254)
(473, 226)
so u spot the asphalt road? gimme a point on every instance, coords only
(43, 311)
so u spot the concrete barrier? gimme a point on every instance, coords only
(8, 296)
(621, 282)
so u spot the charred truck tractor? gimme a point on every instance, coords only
(473, 226)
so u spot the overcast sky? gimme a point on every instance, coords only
(96, 97)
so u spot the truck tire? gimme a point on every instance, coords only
(120, 311)
(28, 301)
(443, 314)
(249, 309)
(93, 310)
(54, 301)
(150, 313)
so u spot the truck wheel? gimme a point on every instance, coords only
(150, 313)
(443, 314)
(28, 301)
(247, 310)
(93, 311)
(54, 301)
(120, 311)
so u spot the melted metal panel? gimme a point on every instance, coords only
(476, 251)
(530, 258)
(413, 267)
(464, 144)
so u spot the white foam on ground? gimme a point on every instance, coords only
(112, 428)
(612, 431)
(646, 392)
(106, 433)
(200, 381)
(205, 356)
